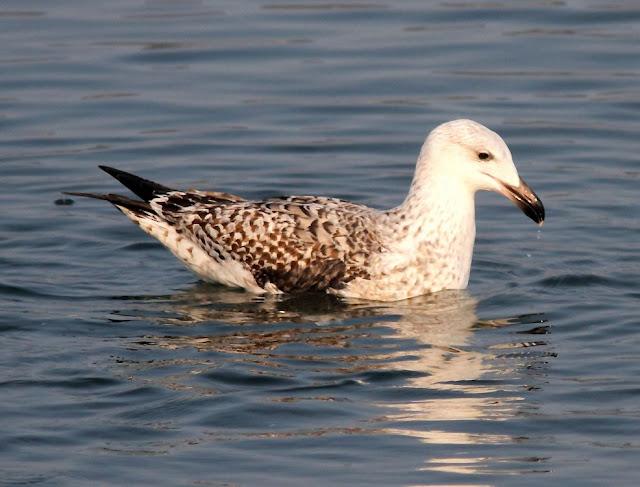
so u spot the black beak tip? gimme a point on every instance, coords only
(526, 199)
(535, 211)
(542, 214)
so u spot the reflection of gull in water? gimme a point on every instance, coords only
(417, 362)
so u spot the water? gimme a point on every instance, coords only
(118, 367)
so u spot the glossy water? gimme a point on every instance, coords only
(118, 367)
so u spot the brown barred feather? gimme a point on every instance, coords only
(295, 243)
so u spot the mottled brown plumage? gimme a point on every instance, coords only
(295, 243)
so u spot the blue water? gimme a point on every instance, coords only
(119, 368)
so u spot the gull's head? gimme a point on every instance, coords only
(478, 158)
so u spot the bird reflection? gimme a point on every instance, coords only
(426, 348)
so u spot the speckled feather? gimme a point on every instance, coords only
(294, 243)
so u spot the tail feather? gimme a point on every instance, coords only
(145, 189)
(139, 207)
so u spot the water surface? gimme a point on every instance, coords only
(119, 367)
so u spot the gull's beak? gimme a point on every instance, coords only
(523, 196)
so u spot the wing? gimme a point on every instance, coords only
(295, 243)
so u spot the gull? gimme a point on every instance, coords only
(311, 243)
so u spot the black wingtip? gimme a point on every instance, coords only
(118, 200)
(110, 170)
(86, 195)
(145, 189)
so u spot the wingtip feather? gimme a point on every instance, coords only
(117, 200)
(144, 188)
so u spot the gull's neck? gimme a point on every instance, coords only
(435, 226)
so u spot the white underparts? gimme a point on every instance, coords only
(228, 272)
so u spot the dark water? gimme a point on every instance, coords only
(119, 368)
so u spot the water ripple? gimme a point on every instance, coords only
(113, 354)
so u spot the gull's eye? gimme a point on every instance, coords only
(484, 156)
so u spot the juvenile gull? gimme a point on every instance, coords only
(302, 243)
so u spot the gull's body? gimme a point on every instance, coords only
(301, 243)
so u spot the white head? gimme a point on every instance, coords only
(477, 157)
